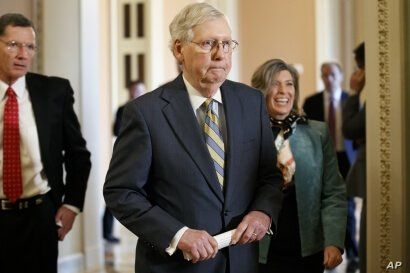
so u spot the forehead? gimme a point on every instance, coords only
(283, 75)
(20, 34)
(330, 68)
(215, 28)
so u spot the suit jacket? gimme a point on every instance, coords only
(314, 109)
(161, 176)
(354, 128)
(61, 142)
(320, 190)
(118, 118)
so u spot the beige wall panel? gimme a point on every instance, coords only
(278, 29)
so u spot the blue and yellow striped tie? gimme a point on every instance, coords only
(214, 140)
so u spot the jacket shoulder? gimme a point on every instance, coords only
(44, 78)
(314, 97)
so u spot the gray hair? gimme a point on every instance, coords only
(14, 20)
(330, 63)
(264, 77)
(189, 17)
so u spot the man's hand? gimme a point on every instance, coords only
(358, 80)
(252, 228)
(66, 218)
(198, 244)
(332, 257)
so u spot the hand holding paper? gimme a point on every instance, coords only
(223, 240)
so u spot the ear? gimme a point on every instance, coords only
(178, 51)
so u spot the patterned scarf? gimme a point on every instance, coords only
(285, 161)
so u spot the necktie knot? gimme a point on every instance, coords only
(10, 93)
(209, 104)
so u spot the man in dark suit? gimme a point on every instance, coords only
(194, 159)
(354, 128)
(135, 89)
(40, 134)
(327, 106)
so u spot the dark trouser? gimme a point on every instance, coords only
(108, 221)
(28, 239)
(362, 244)
(351, 244)
(352, 251)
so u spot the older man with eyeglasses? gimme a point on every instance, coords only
(192, 169)
(39, 134)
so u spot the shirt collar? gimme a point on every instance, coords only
(19, 87)
(337, 94)
(196, 98)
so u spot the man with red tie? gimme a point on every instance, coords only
(39, 135)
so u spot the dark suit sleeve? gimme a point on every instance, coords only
(126, 186)
(268, 197)
(354, 119)
(76, 156)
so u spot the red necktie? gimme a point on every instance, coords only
(332, 121)
(12, 182)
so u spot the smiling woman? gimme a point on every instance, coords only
(311, 225)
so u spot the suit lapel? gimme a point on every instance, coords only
(39, 101)
(183, 122)
(233, 117)
(298, 143)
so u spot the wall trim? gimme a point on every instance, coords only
(385, 132)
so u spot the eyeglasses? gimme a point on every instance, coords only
(14, 46)
(208, 45)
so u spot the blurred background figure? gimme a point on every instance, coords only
(311, 226)
(135, 89)
(326, 105)
(354, 128)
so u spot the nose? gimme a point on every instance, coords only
(22, 52)
(218, 51)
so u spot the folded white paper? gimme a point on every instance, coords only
(223, 240)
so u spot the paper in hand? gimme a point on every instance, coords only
(223, 240)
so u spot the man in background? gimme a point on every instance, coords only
(40, 134)
(354, 128)
(326, 105)
(135, 89)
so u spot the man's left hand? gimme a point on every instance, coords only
(66, 218)
(332, 257)
(252, 228)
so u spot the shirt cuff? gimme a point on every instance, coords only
(173, 245)
(72, 208)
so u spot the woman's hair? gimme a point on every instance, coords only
(263, 78)
(189, 17)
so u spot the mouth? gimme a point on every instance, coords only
(281, 101)
(20, 66)
(217, 68)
